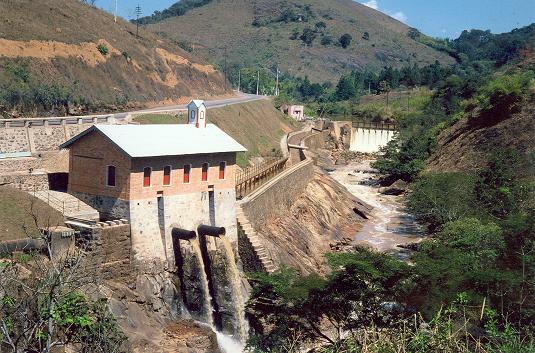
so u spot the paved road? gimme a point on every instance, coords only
(241, 98)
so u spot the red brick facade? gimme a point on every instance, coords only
(90, 156)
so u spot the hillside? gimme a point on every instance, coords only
(258, 33)
(63, 56)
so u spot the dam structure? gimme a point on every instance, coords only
(370, 137)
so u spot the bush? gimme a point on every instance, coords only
(442, 197)
(345, 40)
(103, 49)
(327, 40)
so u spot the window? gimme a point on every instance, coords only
(187, 171)
(146, 176)
(204, 176)
(222, 167)
(167, 175)
(110, 176)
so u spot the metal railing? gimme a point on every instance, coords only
(63, 206)
(255, 176)
(374, 126)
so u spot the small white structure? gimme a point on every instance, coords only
(295, 111)
(197, 113)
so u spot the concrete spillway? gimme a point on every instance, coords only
(368, 140)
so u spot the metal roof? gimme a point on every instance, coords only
(196, 102)
(165, 140)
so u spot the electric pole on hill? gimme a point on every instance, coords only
(225, 68)
(138, 12)
(277, 85)
(115, 13)
(257, 82)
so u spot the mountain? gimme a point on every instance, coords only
(59, 56)
(302, 36)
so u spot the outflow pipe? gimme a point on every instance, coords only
(183, 234)
(211, 231)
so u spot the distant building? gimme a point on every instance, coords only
(295, 111)
(159, 177)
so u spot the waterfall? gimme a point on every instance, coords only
(234, 277)
(209, 318)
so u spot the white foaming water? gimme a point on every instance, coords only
(209, 315)
(227, 344)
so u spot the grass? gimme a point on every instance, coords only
(158, 119)
(17, 209)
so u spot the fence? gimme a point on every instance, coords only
(374, 126)
(57, 121)
(253, 177)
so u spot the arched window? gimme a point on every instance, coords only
(204, 176)
(222, 167)
(167, 175)
(110, 175)
(192, 117)
(146, 177)
(187, 172)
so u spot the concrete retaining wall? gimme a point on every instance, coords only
(275, 197)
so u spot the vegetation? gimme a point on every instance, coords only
(345, 40)
(103, 49)
(178, 9)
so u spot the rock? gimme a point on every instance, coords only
(397, 188)
(340, 161)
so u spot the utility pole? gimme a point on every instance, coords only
(225, 69)
(138, 12)
(115, 14)
(239, 79)
(277, 86)
(257, 81)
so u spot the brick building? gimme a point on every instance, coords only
(159, 177)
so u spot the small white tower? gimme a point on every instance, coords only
(197, 113)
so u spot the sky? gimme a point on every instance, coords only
(438, 18)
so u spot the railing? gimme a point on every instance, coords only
(63, 206)
(374, 126)
(253, 177)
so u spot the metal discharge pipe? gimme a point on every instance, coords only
(183, 234)
(211, 231)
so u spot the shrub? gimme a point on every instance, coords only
(366, 36)
(308, 36)
(326, 40)
(345, 40)
(103, 49)
(442, 197)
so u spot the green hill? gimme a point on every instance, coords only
(302, 36)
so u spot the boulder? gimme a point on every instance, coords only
(397, 188)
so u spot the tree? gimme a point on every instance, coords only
(366, 36)
(345, 40)
(320, 26)
(326, 40)
(308, 36)
(413, 33)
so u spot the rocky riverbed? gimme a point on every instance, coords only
(390, 228)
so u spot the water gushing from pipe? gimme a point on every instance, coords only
(237, 297)
(207, 298)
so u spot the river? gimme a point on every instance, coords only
(390, 224)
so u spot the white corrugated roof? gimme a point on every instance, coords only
(197, 102)
(165, 140)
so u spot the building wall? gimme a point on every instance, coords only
(177, 163)
(88, 159)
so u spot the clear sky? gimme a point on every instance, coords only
(439, 18)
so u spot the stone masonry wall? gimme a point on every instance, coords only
(26, 182)
(14, 140)
(108, 255)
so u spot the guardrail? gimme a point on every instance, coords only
(63, 206)
(57, 121)
(253, 177)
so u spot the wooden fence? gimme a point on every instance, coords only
(253, 177)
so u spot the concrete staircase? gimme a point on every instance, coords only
(255, 241)
(68, 205)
